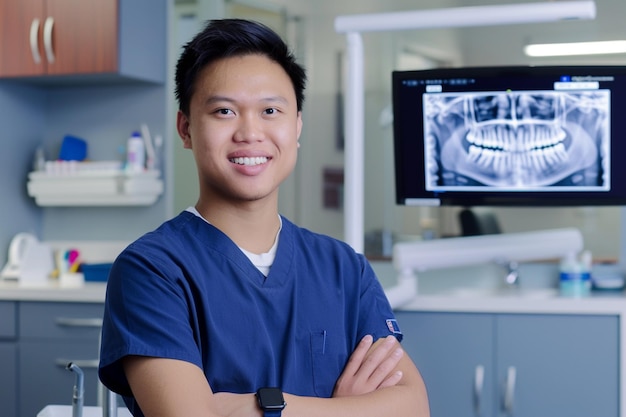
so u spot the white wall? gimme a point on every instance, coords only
(319, 138)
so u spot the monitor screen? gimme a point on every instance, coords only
(515, 136)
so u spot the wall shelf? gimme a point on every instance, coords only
(95, 188)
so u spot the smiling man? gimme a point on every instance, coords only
(229, 309)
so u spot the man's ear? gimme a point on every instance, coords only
(299, 124)
(182, 125)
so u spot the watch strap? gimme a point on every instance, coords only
(272, 413)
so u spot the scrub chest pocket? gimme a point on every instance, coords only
(328, 358)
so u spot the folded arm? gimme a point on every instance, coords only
(379, 379)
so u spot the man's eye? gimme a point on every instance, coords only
(271, 110)
(224, 112)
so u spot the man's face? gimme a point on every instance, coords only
(243, 128)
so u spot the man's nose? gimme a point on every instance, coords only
(249, 129)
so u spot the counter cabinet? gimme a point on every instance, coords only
(50, 335)
(8, 358)
(526, 365)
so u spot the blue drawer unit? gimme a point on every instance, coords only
(52, 334)
(8, 358)
(522, 365)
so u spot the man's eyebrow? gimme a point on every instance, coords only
(217, 99)
(280, 99)
(270, 99)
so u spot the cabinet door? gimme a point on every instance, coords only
(17, 20)
(8, 358)
(84, 36)
(44, 378)
(59, 37)
(450, 350)
(52, 334)
(8, 379)
(564, 365)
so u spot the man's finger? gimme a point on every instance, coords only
(356, 359)
(386, 367)
(392, 380)
(377, 354)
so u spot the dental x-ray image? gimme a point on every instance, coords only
(517, 140)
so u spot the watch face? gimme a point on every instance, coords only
(271, 398)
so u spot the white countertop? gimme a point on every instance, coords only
(89, 292)
(481, 289)
(474, 302)
(73, 288)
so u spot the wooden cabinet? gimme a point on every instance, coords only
(82, 37)
(526, 365)
(58, 37)
(52, 334)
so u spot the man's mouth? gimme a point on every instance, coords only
(250, 161)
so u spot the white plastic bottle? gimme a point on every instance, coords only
(575, 275)
(135, 153)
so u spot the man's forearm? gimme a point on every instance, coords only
(407, 398)
(368, 386)
(397, 401)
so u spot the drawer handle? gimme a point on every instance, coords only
(47, 38)
(509, 389)
(34, 45)
(81, 363)
(73, 322)
(479, 381)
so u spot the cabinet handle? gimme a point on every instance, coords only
(72, 322)
(81, 363)
(34, 50)
(47, 38)
(509, 389)
(479, 381)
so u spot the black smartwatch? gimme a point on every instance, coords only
(271, 401)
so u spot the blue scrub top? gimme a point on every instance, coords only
(186, 291)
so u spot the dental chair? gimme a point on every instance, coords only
(478, 222)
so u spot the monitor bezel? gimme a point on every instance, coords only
(422, 197)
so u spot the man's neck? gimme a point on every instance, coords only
(252, 226)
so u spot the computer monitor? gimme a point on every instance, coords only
(510, 136)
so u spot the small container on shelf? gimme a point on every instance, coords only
(135, 153)
(575, 275)
(96, 272)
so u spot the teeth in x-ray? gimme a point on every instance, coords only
(523, 138)
(496, 146)
(556, 154)
(517, 138)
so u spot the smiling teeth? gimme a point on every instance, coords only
(250, 161)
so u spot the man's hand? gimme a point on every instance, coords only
(370, 367)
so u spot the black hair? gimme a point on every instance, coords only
(225, 38)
